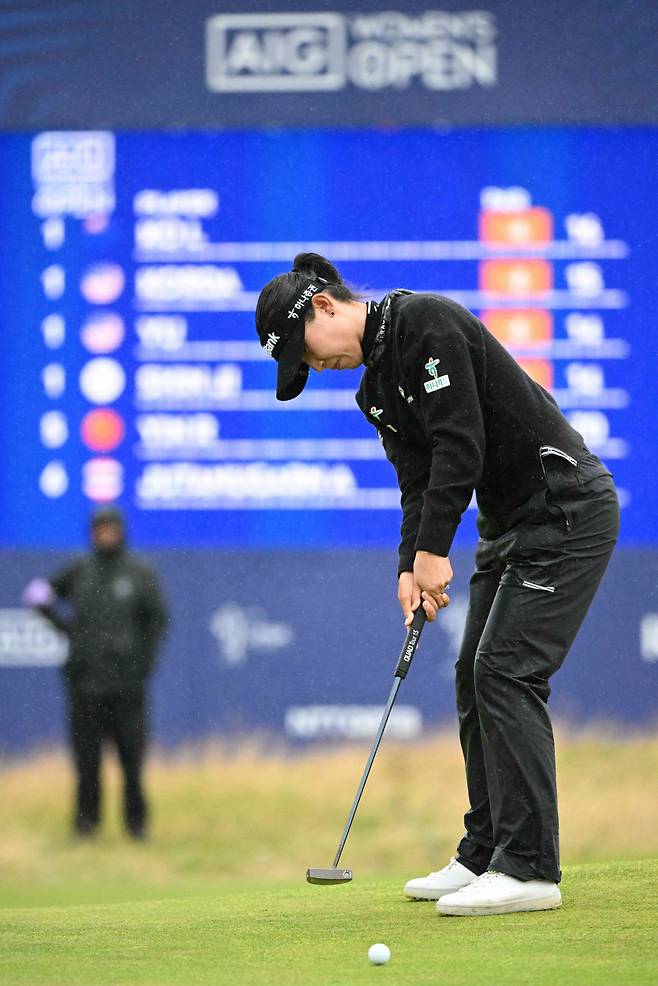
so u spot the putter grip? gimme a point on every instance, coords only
(410, 644)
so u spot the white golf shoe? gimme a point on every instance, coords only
(498, 893)
(452, 877)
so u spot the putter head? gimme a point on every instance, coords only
(328, 876)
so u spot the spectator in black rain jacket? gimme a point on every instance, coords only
(457, 416)
(109, 605)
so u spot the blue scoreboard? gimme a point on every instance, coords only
(130, 264)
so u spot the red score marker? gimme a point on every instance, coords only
(520, 327)
(523, 227)
(541, 371)
(516, 278)
(102, 430)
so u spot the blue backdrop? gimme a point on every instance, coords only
(212, 64)
(303, 645)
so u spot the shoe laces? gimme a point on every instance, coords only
(446, 869)
(489, 876)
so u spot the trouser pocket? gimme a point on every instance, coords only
(563, 483)
(533, 580)
(535, 585)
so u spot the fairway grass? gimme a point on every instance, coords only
(269, 932)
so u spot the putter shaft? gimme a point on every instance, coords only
(366, 772)
(334, 875)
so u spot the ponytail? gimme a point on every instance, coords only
(313, 265)
(279, 293)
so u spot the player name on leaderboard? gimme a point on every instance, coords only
(557, 334)
(151, 252)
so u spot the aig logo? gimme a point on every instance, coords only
(275, 52)
(304, 52)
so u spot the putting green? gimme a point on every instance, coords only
(243, 933)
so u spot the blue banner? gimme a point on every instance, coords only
(303, 645)
(210, 64)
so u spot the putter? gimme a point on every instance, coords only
(335, 874)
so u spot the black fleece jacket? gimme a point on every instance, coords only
(117, 616)
(455, 414)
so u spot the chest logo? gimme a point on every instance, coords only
(123, 587)
(435, 382)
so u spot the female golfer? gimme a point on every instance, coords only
(456, 414)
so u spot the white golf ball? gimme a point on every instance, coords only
(379, 954)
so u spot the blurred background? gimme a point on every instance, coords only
(159, 163)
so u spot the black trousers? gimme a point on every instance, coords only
(530, 591)
(122, 718)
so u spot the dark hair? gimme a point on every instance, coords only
(282, 290)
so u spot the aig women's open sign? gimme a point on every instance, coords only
(286, 52)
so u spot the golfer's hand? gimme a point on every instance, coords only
(409, 597)
(432, 574)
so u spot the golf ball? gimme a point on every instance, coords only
(379, 954)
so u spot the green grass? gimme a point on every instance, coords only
(292, 933)
(218, 896)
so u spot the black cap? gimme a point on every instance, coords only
(108, 514)
(284, 340)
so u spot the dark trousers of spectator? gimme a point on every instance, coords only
(122, 719)
(530, 591)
